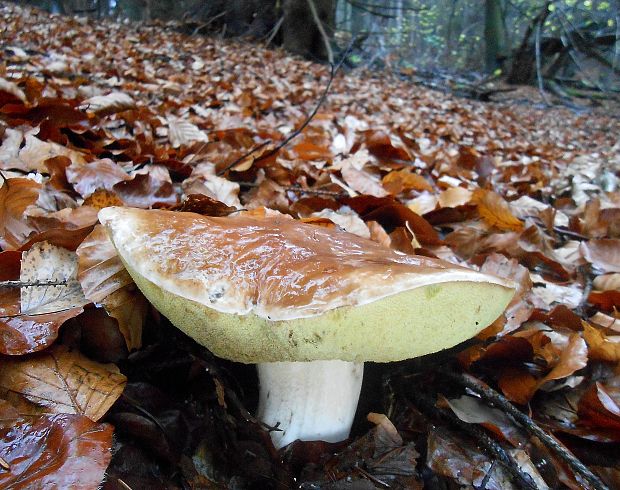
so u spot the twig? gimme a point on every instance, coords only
(528, 424)
(319, 24)
(297, 132)
(242, 157)
(22, 284)
(491, 446)
(539, 76)
(275, 30)
(299, 190)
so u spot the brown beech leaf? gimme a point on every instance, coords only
(474, 411)
(455, 196)
(605, 300)
(102, 198)
(104, 105)
(384, 146)
(454, 458)
(100, 174)
(63, 381)
(603, 254)
(204, 181)
(391, 214)
(182, 132)
(600, 347)
(10, 92)
(52, 451)
(573, 357)
(143, 191)
(398, 181)
(496, 211)
(36, 152)
(363, 182)
(607, 282)
(205, 205)
(106, 281)
(518, 385)
(45, 263)
(15, 196)
(600, 407)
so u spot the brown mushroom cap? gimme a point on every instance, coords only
(275, 289)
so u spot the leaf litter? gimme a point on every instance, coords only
(97, 113)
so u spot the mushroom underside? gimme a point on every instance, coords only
(401, 326)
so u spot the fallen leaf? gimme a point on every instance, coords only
(600, 347)
(182, 132)
(104, 105)
(46, 263)
(9, 91)
(63, 381)
(35, 153)
(603, 254)
(455, 196)
(398, 181)
(205, 205)
(15, 196)
(607, 282)
(496, 211)
(53, 451)
(90, 177)
(102, 198)
(143, 191)
(105, 280)
(363, 182)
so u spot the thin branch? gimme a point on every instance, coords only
(22, 284)
(297, 132)
(324, 36)
(539, 75)
(424, 403)
(492, 396)
(243, 157)
(275, 30)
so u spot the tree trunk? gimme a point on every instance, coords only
(494, 35)
(300, 32)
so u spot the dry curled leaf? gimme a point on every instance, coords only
(106, 281)
(496, 211)
(62, 381)
(15, 196)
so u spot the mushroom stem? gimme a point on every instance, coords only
(311, 401)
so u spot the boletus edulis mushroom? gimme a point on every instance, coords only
(309, 305)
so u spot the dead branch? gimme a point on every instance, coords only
(324, 36)
(498, 400)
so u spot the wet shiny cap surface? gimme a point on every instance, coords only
(275, 267)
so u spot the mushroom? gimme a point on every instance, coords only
(307, 304)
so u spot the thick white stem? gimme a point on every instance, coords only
(311, 401)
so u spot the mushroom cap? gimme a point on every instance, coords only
(261, 289)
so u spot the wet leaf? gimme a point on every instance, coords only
(15, 196)
(53, 451)
(62, 381)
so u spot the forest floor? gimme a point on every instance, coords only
(97, 113)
